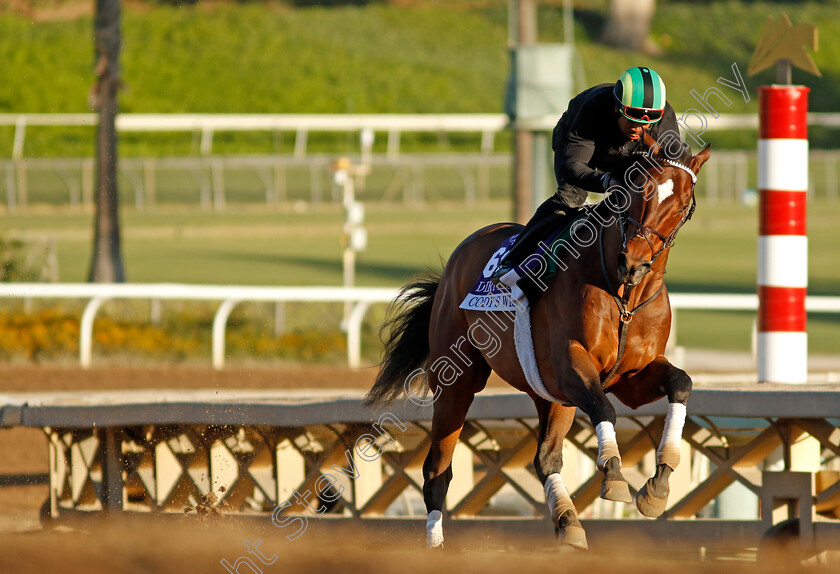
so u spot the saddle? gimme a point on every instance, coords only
(541, 263)
(488, 295)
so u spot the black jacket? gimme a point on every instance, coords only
(586, 139)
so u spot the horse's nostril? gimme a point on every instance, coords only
(631, 275)
(622, 264)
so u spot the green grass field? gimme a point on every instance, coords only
(428, 57)
(715, 253)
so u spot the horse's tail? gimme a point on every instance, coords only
(407, 343)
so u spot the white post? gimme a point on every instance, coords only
(219, 328)
(354, 333)
(349, 264)
(86, 330)
(367, 139)
(20, 137)
(354, 237)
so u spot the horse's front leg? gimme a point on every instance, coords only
(555, 422)
(581, 383)
(659, 378)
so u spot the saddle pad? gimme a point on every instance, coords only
(485, 295)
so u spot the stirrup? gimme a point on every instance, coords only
(503, 269)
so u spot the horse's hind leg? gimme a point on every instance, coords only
(659, 378)
(450, 411)
(555, 422)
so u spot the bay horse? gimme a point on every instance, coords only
(589, 338)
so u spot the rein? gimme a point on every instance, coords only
(626, 315)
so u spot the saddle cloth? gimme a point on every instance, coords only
(487, 296)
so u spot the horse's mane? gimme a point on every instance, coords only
(639, 153)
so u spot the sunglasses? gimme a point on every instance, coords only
(642, 114)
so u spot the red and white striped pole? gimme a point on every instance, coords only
(782, 353)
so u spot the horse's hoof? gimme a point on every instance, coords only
(649, 505)
(616, 491)
(573, 536)
(434, 542)
(434, 530)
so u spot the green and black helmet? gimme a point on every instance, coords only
(640, 95)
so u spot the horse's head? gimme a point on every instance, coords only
(658, 198)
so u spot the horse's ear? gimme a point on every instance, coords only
(650, 143)
(701, 158)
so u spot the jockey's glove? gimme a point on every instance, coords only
(608, 181)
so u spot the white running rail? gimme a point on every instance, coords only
(361, 298)
(301, 124)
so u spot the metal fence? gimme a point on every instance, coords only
(215, 182)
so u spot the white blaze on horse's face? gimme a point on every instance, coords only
(666, 190)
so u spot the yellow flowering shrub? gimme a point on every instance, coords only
(54, 333)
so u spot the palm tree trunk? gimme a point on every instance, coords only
(106, 265)
(628, 27)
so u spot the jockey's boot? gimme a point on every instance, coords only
(538, 228)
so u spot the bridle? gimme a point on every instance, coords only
(646, 232)
(626, 315)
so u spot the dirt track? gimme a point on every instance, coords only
(59, 378)
(196, 546)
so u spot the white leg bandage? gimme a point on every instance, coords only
(434, 529)
(557, 496)
(607, 443)
(669, 448)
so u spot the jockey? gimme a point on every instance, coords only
(600, 124)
